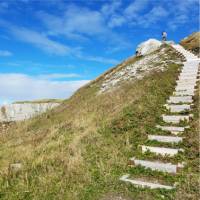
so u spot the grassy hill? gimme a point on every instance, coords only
(192, 42)
(79, 150)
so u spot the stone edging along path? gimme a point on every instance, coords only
(181, 101)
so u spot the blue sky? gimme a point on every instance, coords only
(49, 48)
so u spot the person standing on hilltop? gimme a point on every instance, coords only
(164, 36)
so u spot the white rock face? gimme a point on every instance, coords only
(148, 47)
(136, 70)
(22, 111)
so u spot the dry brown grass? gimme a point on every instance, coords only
(192, 43)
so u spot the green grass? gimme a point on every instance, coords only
(79, 150)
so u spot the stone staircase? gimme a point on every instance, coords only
(177, 105)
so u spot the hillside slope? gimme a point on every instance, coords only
(79, 150)
(192, 42)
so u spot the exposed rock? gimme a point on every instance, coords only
(148, 47)
(15, 167)
(22, 111)
(136, 68)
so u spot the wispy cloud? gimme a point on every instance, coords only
(182, 12)
(56, 76)
(154, 15)
(5, 53)
(99, 59)
(134, 8)
(75, 22)
(16, 87)
(41, 41)
(84, 24)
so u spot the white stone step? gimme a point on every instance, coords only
(188, 82)
(173, 129)
(161, 150)
(178, 108)
(168, 139)
(179, 99)
(184, 88)
(145, 184)
(190, 67)
(175, 119)
(184, 93)
(156, 165)
(188, 79)
(188, 76)
(189, 72)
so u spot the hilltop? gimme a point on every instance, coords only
(78, 150)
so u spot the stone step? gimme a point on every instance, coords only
(145, 184)
(188, 76)
(184, 93)
(184, 90)
(178, 108)
(189, 72)
(184, 87)
(178, 99)
(161, 150)
(190, 82)
(173, 129)
(188, 79)
(187, 85)
(175, 119)
(189, 67)
(156, 165)
(169, 139)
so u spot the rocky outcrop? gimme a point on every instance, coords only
(148, 47)
(137, 67)
(22, 111)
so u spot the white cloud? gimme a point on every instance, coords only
(40, 41)
(134, 8)
(182, 12)
(75, 22)
(58, 76)
(100, 59)
(5, 53)
(82, 23)
(116, 20)
(156, 14)
(111, 7)
(15, 87)
(179, 20)
(186, 5)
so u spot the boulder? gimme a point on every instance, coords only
(148, 47)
